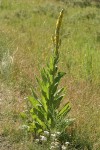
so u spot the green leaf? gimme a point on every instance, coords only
(59, 76)
(40, 122)
(45, 94)
(33, 101)
(54, 88)
(59, 92)
(34, 94)
(40, 114)
(32, 126)
(44, 76)
(57, 101)
(39, 82)
(63, 112)
(36, 103)
(23, 115)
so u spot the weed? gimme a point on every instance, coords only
(46, 113)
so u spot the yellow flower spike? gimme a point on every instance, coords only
(56, 37)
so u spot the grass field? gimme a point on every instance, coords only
(26, 28)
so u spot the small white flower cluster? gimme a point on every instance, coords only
(65, 146)
(54, 144)
(42, 138)
(57, 145)
(46, 133)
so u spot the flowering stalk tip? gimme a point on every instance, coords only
(56, 39)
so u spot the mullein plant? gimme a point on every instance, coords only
(45, 112)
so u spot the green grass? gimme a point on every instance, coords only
(25, 46)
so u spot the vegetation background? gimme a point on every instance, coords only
(25, 46)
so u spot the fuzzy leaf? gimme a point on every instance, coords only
(59, 76)
(63, 112)
(57, 94)
(34, 94)
(57, 101)
(33, 101)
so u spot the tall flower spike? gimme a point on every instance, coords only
(56, 39)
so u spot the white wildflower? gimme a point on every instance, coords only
(56, 144)
(52, 147)
(43, 138)
(37, 140)
(66, 143)
(64, 147)
(58, 133)
(46, 133)
(52, 143)
(53, 135)
(56, 140)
